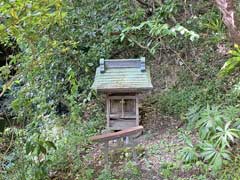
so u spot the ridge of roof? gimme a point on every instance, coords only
(122, 63)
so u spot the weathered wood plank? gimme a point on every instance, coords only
(122, 124)
(122, 97)
(122, 63)
(119, 116)
(129, 107)
(115, 106)
(116, 135)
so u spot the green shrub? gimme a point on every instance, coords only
(232, 63)
(132, 171)
(217, 129)
(232, 170)
(53, 145)
(106, 174)
(176, 102)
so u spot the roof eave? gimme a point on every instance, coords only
(118, 90)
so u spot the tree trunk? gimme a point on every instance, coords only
(229, 18)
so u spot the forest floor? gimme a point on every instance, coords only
(157, 154)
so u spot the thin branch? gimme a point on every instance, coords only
(141, 46)
(143, 3)
(12, 136)
(8, 85)
(177, 54)
(158, 2)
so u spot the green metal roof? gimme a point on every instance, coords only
(122, 75)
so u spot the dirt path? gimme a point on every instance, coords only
(157, 155)
(161, 159)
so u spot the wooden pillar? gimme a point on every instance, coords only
(108, 112)
(122, 105)
(105, 150)
(133, 147)
(137, 110)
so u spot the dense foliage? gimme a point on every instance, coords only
(50, 109)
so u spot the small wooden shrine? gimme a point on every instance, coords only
(122, 80)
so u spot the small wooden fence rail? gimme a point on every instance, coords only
(105, 138)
